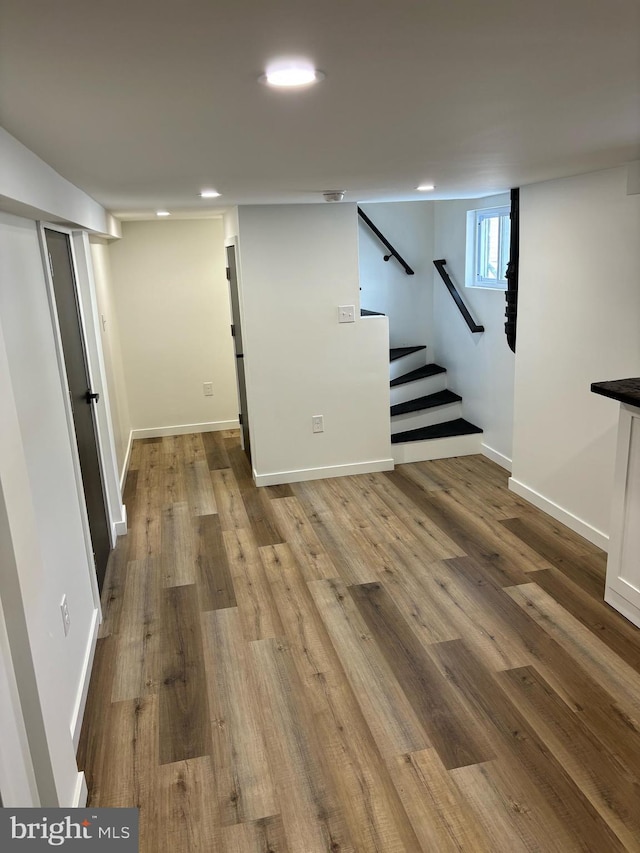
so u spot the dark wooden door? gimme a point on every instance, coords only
(83, 401)
(232, 275)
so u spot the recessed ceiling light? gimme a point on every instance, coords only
(162, 213)
(209, 194)
(291, 73)
(426, 188)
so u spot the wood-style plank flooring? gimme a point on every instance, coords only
(415, 661)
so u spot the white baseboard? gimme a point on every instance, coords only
(497, 457)
(81, 698)
(302, 474)
(626, 608)
(81, 793)
(183, 429)
(120, 527)
(592, 534)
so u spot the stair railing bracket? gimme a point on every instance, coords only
(392, 252)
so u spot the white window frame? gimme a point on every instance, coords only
(475, 219)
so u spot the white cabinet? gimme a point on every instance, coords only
(623, 565)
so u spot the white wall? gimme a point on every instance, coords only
(172, 304)
(480, 367)
(578, 322)
(297, 264)
(44, 510)
(633, 178)
(230, 220)
(111, 347)
(405, 299)
(17, 776)
(30, 187)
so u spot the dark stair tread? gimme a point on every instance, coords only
(445, 430)
(399, 352)
(440, 398)
(420, 373)
(364, 312)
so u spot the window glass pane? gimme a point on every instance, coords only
(493, 239)
(489, 248)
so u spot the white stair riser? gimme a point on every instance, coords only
(437, 448)
(418, 388)
(427, 417)
(407, 363)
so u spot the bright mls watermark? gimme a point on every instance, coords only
(26, 830)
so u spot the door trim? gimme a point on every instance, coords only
(105, 439)
(62, 371)
(233, 243)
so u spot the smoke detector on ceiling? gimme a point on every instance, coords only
(333, 195)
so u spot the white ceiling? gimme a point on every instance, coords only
(142, 103)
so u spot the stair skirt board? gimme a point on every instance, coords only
(411, 361)
(437, 448)
(426, 417)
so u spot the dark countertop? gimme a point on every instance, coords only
(622, 390)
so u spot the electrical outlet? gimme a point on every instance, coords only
(346, 313)
(207, 389)
(66, 619)
(317, 423)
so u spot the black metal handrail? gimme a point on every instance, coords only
(471, 323)
(392, 252)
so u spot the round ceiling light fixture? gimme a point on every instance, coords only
(333, 195)
(291, 74)
(162, 213)
(426, 188)
(209, 194)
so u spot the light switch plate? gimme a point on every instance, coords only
(346, 313)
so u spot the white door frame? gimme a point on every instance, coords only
(55, 324)
(92, 331)
(90, 327)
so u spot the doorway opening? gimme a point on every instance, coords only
(82, 398)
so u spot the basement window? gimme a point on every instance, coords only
(488, 238)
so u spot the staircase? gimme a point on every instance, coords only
(426, 416)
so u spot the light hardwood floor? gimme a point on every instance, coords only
(416, 661)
